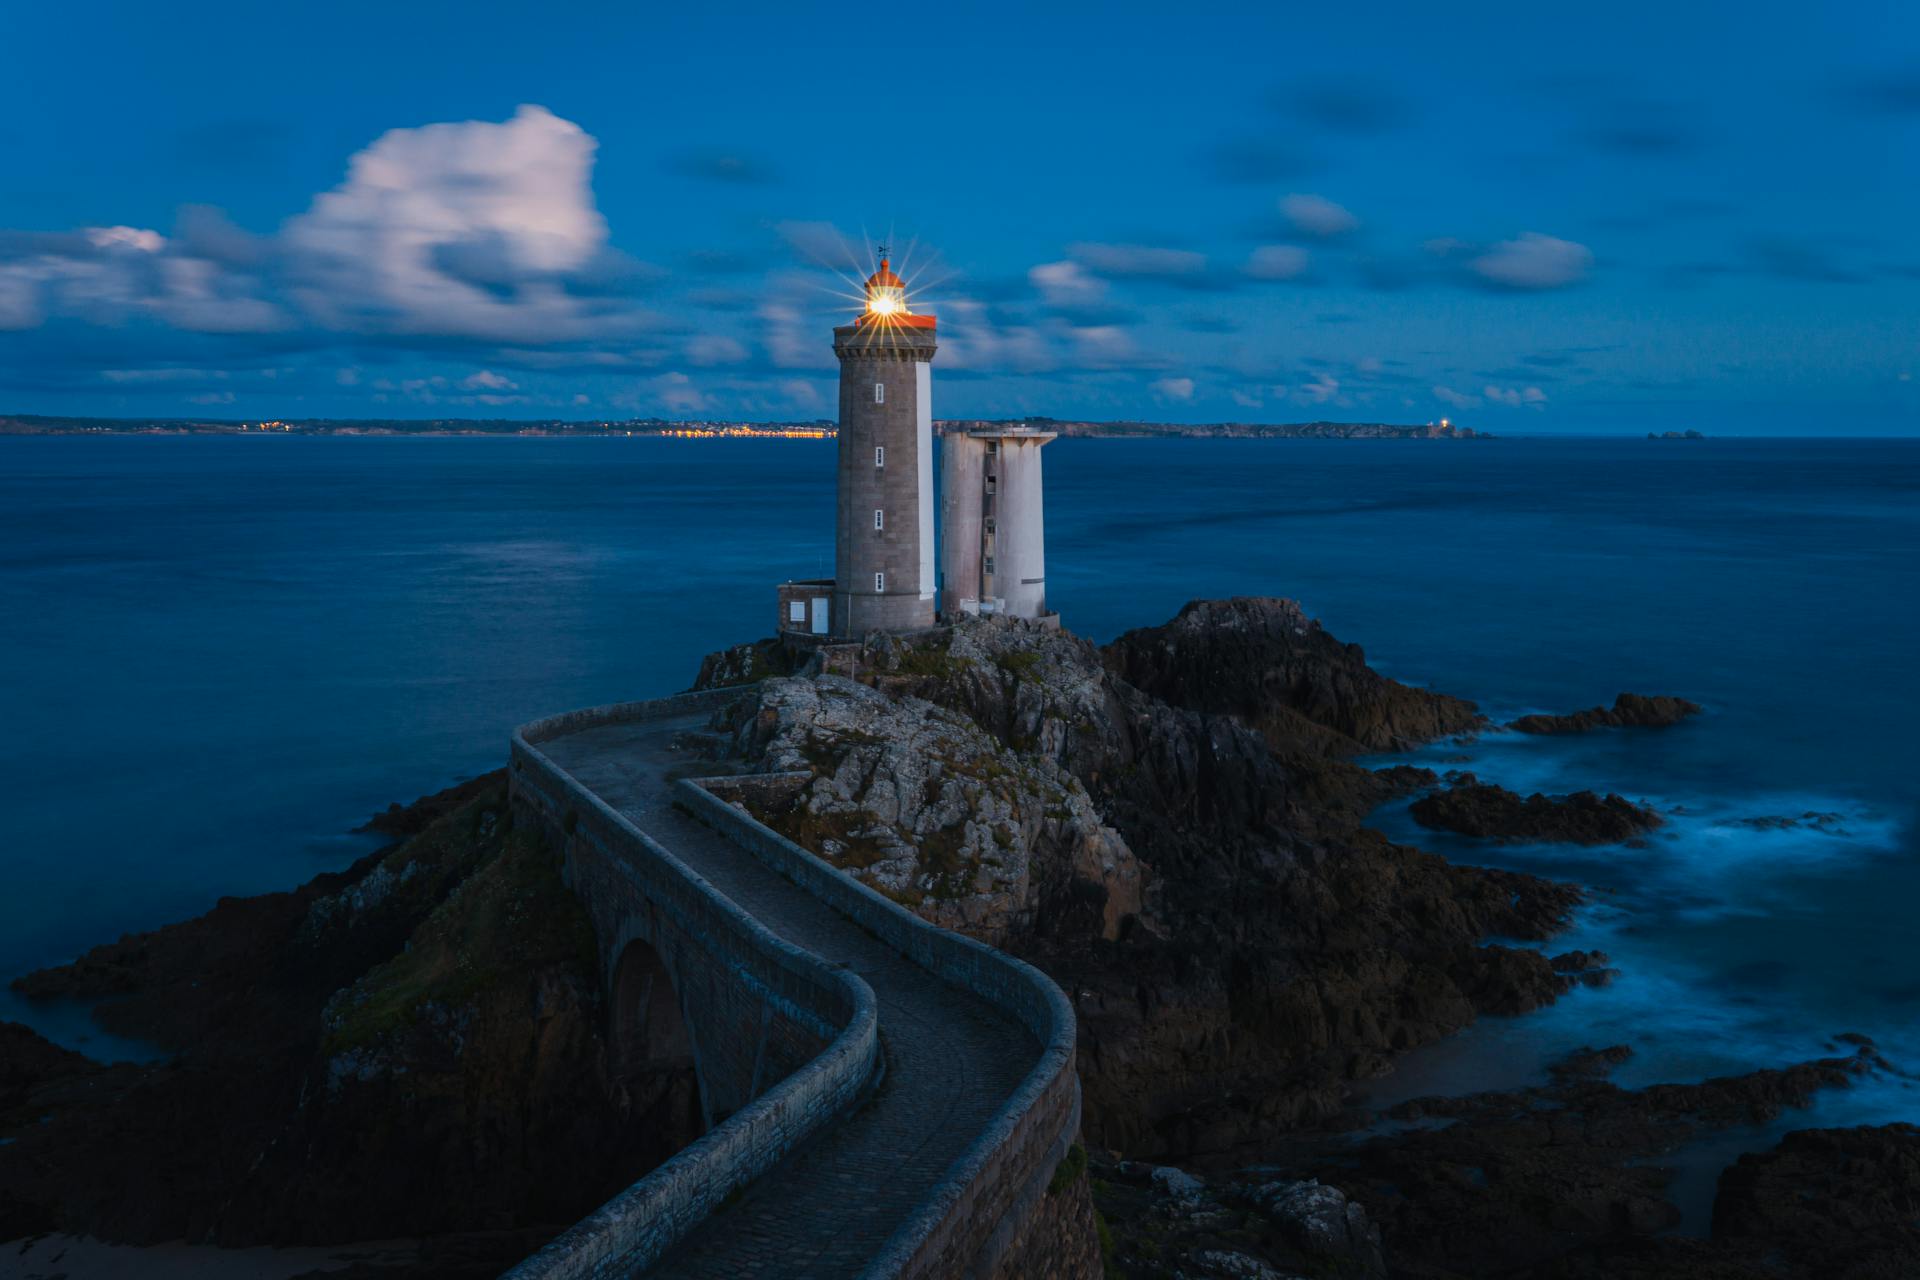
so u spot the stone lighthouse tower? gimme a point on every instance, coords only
(883, 576)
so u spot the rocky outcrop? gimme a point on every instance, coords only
(410, 1047)
(1279, 672)
(1828, 1202)
(1629, 711)
(745, 664)
(1279, 948)
(1568, 1179)
(1166, 1221)
(399, 821)
(923, 805)
(1474, 808)
(1564, 1180)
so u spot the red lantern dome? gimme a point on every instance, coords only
(887, 301)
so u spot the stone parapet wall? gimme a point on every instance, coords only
(785, 1043)
(978, 1214)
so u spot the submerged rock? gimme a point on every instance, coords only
(1629, 710)
(1474, 808)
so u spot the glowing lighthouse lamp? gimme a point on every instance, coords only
(885, 295)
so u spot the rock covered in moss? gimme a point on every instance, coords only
(919, 802)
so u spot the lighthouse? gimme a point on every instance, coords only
(992, 531)
(883, 577)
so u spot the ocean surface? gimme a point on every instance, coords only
(219, 655)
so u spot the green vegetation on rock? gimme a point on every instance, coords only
(511, 917)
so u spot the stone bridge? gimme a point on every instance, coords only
(879, 1097)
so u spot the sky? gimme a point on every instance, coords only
(1521, 217)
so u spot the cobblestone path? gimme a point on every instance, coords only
(951, 1058)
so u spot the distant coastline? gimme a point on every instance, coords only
(816, 429)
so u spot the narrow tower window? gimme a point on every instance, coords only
(879, 393)
(879, 518)
(991, 483)
(880, 583)
(879, 455)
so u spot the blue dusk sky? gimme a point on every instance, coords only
(1524, 217)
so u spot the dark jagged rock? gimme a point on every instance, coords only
(1580, 961)
(745, 664)
(1276, 949)
(1833, 1202)
(408, 1047)
(1474, 808)
(1629, 710)
(1565, 1179)
(1590, 1064)
(400, 821)
(1284, 676)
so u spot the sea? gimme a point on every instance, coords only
(220, 655)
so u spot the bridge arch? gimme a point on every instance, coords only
(650, 1045)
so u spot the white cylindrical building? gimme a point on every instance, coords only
(992, 523)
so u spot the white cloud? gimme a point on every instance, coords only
(1148, 261)
(1517, 397)
(800, 393)
(790, 340)
(1317, 215)
(163, 375)
(471, 230)
(488, 380)
(1278, 262)
(1105, 346)
(465, 229)
(1067, 283)
(1534, 261)
(971, 340)
(676, 393)
(821, 244)
(109, 275)
(125, 237)
(1324, 389)
(1458, 399)
(1172, 388)
(708, 349)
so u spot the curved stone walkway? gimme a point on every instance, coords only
(951, 1058)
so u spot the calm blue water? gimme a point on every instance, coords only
(221, 654)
